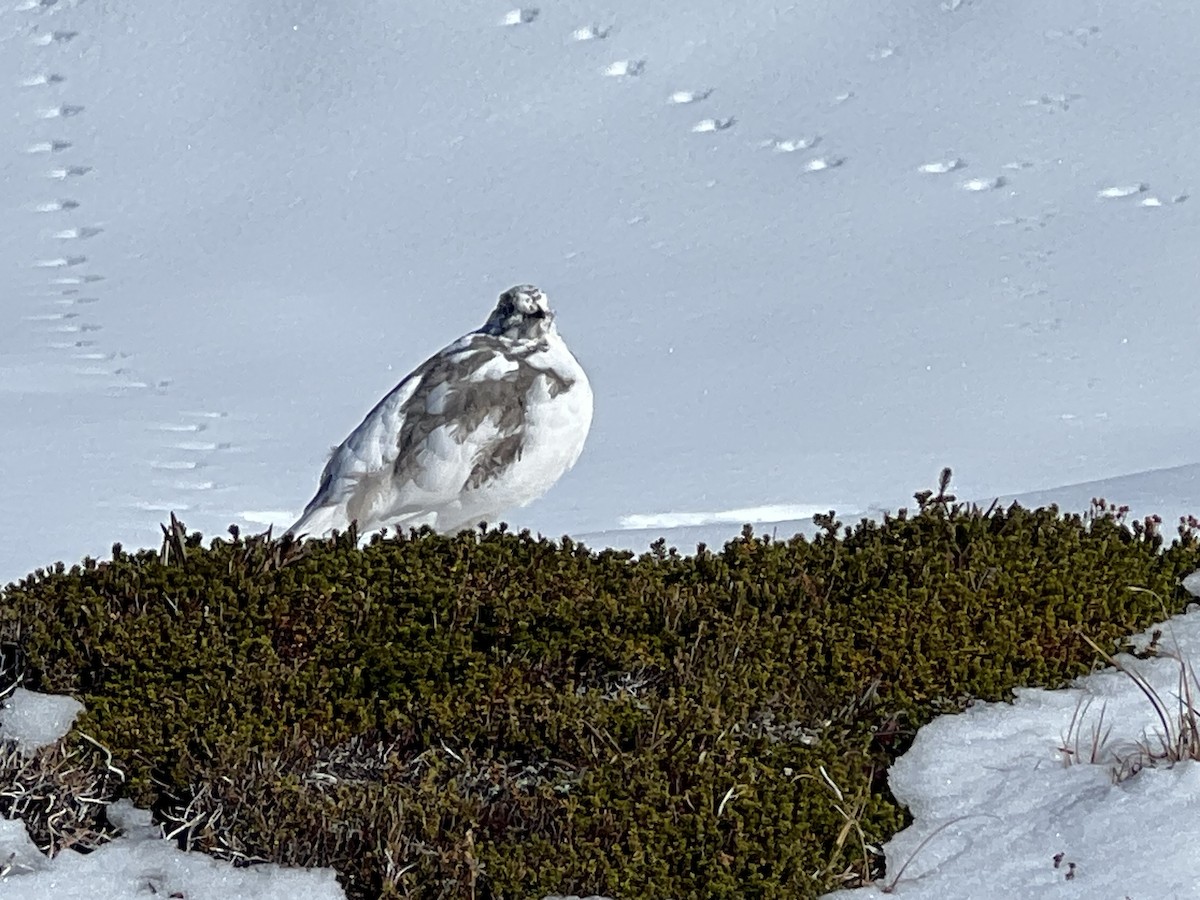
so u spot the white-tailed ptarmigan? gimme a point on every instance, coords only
(487, 424)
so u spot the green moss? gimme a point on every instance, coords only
(493, 715)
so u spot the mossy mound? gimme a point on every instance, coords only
(497, 716)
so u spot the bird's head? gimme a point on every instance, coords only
(522, 313)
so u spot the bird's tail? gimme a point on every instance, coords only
(320, 521)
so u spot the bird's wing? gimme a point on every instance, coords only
(441, 430)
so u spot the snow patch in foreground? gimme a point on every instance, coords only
(140, 862)
(34, 720)
(1001, 812)
(780, 512)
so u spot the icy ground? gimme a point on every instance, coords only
(810, 252)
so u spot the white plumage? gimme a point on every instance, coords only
(489, 423)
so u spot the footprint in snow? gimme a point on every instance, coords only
(520, 16)
(68, 172)
(53, 37)
(706, 126)
(77, 234)
(48, 147)
(591, 32)
(685, 97)
(52, 206)
(980, 185)
(625, 68)
(942, 166)
(60, 262)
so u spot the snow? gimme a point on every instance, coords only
(34, 720)
(226, 231)
(139, 862)
(255, 222)
(1035, 798)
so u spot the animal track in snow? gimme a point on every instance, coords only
(56, 206)
(62, 277)
(942, 166)
(1053, 102)
(591, 33)
(1117, 192)
(194, 485)
(62, 111)
(979, 185)
(42, 79)
(95, 356)
(1122, 191)
(204, 414)
(48, 147)
(180, 428)
(77, 279)
(1153, 201)
(685, 97)
(791, 145)
(60, 262)
(53, 37)
(175, 465)
(99, 371)
(821, 163)
(68, 172)
(76, 234)
(625, 68)
(520, 16)
(709, 125)
(201, 446)
(1027, 223)
(82, 328)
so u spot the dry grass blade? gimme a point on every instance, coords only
(1179, 737)
(1160, 708)
(59, 794)
(851, 825)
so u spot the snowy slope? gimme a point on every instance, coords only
(1170, 493)
(300, 201)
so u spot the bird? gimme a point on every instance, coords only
(487, 424)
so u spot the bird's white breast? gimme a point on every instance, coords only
(558, 416)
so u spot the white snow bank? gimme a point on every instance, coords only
(1001, 812)
(140, 864)
(780, 512)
